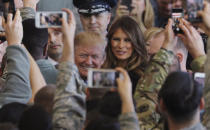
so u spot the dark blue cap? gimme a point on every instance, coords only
(94, 6)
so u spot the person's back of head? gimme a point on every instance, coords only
(12, 112)
(154, 37)
(44, 97)
(110, 104)
(181, 96)
(7, 126)
(34, 39)
(103, 123)
(35, 118)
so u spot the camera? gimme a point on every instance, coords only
(176, 15)
(49, 19)
(200, 78)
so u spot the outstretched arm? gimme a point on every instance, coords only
(128, 119)
(17, 87)
(69, 102)
(152, 80)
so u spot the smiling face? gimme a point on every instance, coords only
(88, 56)
(121, 44)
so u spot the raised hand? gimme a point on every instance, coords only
(191, 39)
(170, 39)
(13, 29)
(68, 29)
(205, 14)
(125, 91)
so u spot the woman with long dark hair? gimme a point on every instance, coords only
(126, 48)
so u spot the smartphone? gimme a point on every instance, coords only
(193, 6)
(127, 3)
(102, 78)
(200, 78)
(10, 9)
(49, 19)
(177, 13)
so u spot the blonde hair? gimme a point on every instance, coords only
(147, 19)
(151, 32)
(149, 15)
(89, 38)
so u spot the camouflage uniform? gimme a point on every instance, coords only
(69, 109)
(147, 90)
(206, 117)
(149, 85)
(27, 13)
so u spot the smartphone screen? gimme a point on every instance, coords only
(102, 78)
(193, 6)
(200, 78)
(176, 15)
(49, 19)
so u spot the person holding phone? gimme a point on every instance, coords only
(140, 10)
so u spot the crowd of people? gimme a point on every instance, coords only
(44, 71)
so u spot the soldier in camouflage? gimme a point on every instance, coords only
(154, 76)
(149, 85)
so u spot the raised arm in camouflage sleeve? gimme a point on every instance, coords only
(129, 121)
(206, 118)
(148, 87)
(27, 13)
(197, 64)
(69, 111)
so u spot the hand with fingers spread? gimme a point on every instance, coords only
(13, 29)
(68, 29)
(192, 39)
(125, 91)
(170, 39)
(205, 14)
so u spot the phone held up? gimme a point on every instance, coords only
(192, 7)
(176, 15)
(200, 78)
(10, 9)
(49, 19)
(102, 78)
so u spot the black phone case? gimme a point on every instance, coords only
(127, 3)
